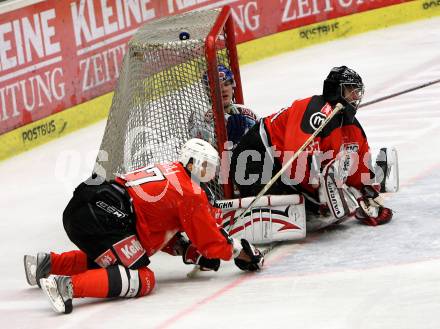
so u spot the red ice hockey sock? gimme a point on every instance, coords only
(113, 281)
(68, 263)
(91, 283)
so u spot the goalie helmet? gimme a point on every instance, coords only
(343, 85)
(204, 158)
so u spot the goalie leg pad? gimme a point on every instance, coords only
(316, 221)
(265, 223)
(338, 197)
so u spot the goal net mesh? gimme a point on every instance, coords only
(161, 99)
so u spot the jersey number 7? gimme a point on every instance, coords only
(144, 175)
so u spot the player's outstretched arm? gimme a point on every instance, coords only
(193, 256)
(181, 246)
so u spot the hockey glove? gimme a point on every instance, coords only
(236, 127)
(177, 245)
(193, 256)
(372, 211)
(250, 258)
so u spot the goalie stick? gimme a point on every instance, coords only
(264, 251)
(380, 99)
(272, 246)
(336, 110)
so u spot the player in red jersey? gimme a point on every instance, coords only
(119, 225)
(343, 143)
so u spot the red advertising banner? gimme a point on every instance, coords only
(56, 54)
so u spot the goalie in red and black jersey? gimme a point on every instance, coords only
(334, 172)
(119, 225)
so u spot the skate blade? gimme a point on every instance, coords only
(30, 268)
(50, 288)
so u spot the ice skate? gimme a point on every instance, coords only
(36, 268)
(59, 289)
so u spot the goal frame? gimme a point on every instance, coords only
(224, 21)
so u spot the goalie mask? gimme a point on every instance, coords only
(343, 85)
(203, 157)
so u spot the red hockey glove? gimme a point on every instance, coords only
(249, 258)
(193, 256)
(384, 216)
(372, 211)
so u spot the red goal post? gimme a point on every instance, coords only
(161, 99)
(224, 25)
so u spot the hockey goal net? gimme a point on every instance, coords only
(161, 99)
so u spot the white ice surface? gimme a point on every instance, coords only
(350, 277)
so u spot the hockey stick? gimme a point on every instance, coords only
(272, 246)
(192, 274)
(272, 181)
(286, 166)
(196, 269)
(384, 98)
(338, 107)
(374, 101)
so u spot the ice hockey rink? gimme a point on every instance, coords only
(350, 277)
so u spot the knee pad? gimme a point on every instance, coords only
(124, 282)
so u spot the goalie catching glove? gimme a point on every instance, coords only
(247, 258)
(372, 211)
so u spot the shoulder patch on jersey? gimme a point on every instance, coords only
(316, 112)
(316, 120)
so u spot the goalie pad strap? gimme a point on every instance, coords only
(264, 201)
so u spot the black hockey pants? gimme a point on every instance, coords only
(91, 226)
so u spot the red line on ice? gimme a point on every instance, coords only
(204, 301)
(191, 309)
